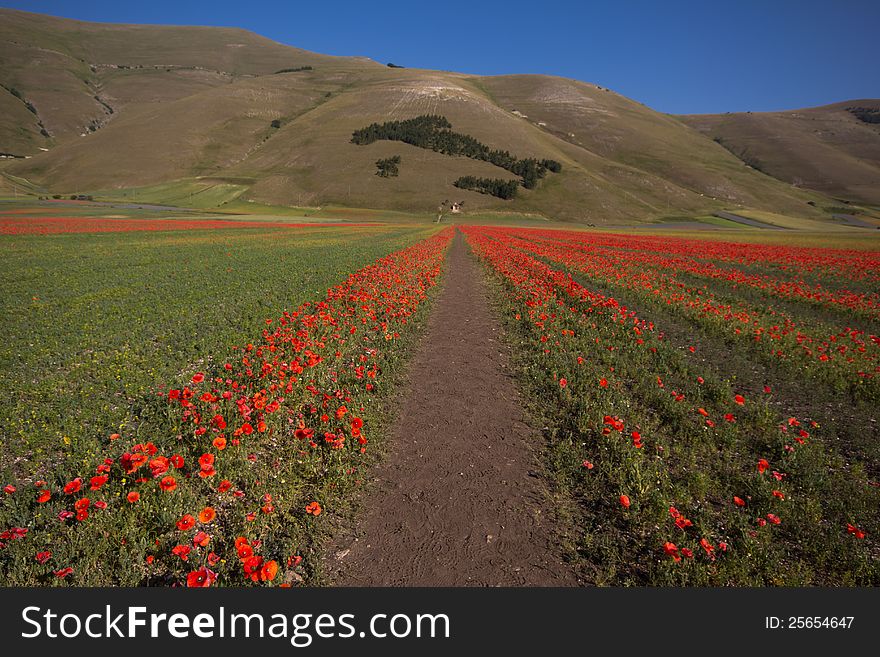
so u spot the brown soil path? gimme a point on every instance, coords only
(458, 502)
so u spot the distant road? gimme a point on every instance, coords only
(850, 220)
(107, 204)
(746, 221)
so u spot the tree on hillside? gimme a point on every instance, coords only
(387, 168)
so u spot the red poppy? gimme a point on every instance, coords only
(168, 484)
(763, 464)
(219, 442)
(186, 523)
(779, 494)
(603, 382)
(201, 539)
(588, 465)
(44, 496)
(207, 515)
(198, 378)
(855, 531)
(624, 501)
(201, 578)
(159, 466)
(43, 557)
(739, 501)
(182, 551)
(313, 508)
(739, 399)
(252, 564)
(9, 489)
(686, 552)
(224, 486)
(177, 461)
(707, 546)
(96, 482)
(82, 504)
(563, 382)
(133, 497)
(268, 571)
(773, 518)
(672, 550)
(64, 572)
(74, 486)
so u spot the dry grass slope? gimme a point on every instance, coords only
(823, 148)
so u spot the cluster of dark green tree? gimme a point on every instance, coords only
(865, 114)
(387, 168)
(504, 189)
(296, 69)
(434, 132)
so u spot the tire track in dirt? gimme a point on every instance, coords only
(458, 501)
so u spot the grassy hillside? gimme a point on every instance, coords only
(827, 148)
(200, 116)
(79, 76)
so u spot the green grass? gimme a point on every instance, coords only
(685, 463)
(194, 193)
(93, 323)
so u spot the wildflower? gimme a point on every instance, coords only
(201, 539)
(763, 464)
(181, 551)
(168, 484)
(855, 531)
(201, 578)
(207, 515)
(738, 501)
(563, 382)
(64, 572)
(773, 518)
(9, 489)
(624, 501)
(74, 486)
(672, 550)
(96, 482)
(43, 557)
(44, 496)
(133, 497)
(707, 546)
(186, 523)
(313, 508)
(739, 399)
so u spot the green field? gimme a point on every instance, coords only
(94, 323)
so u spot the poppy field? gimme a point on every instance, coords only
(197, 404)
(167, 422)
(709, 408)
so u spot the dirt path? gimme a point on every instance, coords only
(458, 502)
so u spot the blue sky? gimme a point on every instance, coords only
(674, 56)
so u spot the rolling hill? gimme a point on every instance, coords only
(834, 149)
(203, 116)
